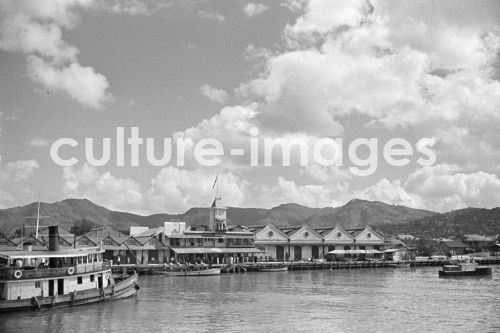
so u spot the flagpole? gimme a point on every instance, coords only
(217, 191)
(38, 216)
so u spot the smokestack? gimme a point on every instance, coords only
(53, 244)
(54, 238)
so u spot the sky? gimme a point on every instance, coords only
(300, 72)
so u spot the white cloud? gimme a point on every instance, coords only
(390, 192)
(348, 58)
(105, 189)
(13, 176)
(213, 94)
(176, 190)
(213, 16)
(442, 187)
(39, 142)
(172, 190)
(129, 7)
(287, 191)
(323, 16)
(35, 28)
(81, 83)
(17, 171)
(254, 9)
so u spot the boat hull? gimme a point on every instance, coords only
(479, 271)
(278, 269)
(204, 272)
(123, 289)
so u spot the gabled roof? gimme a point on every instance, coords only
(338, 228)
(85, 238)
(355, 231)
(311, 234)
(119, 238)
(367, 235)
(145, 240)
(269, 233)
(395, 242)
(132, 241)
(290, 230)
(150, 232)
(31, 239)
(6, 242)
(237, 228)
(477, 238)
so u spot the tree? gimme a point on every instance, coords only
(81, 227)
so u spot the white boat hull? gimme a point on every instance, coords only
(203, 272)
(123, 289)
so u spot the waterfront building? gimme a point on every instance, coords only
(478, 243)
(214, 242)
(307, 243)
(454, 247)
(36, 244)
(404, 237)
(7, 245)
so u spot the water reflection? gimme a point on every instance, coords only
(331, 300)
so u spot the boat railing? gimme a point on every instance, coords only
(27, 272)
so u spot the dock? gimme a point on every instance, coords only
(147, 269)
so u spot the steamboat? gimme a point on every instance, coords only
(33, 280)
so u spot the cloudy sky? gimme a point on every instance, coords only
(424, 71)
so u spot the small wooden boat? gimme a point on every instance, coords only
(464, 268)
(190, 270)
(273, 269)
(400, 265)
(33, 280)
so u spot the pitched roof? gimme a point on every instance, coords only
(355, 231)
(150, 232)
(477, 238)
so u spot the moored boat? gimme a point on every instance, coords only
(400, 265)
(59, 278)
(280, 268)
(273, 269)
(188, 270)
(464, 268)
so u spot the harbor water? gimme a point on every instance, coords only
(358, 300)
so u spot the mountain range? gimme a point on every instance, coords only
(355, 213)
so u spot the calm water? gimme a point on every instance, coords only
(364, 300)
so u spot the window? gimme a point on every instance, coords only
(92, 278)
(306, 234)
(369, 235)
(339, 234)
(38, 284)
(220, 240)
(80, 280)
(270, 234)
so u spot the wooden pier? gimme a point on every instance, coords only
(147, 269)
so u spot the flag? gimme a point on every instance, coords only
(215, 182)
